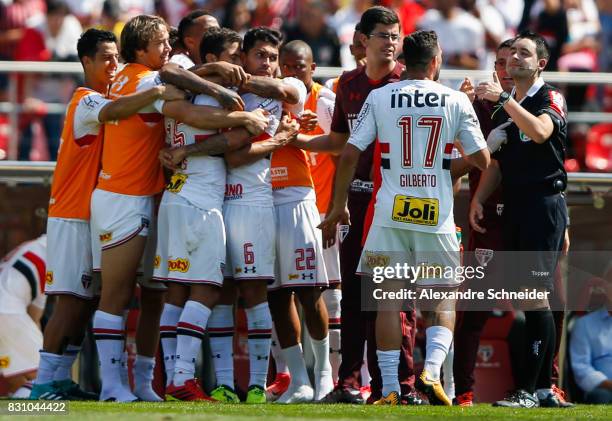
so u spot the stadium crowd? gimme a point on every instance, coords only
(42, 30)
(199, 173)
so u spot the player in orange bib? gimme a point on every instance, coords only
(69, 259)
(297, 61)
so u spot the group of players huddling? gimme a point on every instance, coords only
(241, 206)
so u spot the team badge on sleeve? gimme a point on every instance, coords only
(557, 102)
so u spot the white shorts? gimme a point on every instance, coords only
(391, 246)
(69, 259)
(20, 340)
(299, 247)
(116, 219)
(190, 243)
(251, 242)
(331, 257)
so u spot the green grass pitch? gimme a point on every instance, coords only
(204, 411)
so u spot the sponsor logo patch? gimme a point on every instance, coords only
(280, 173)
(415, 210)
(178, 265)
(177, 181)
(5, 361)
(156, 261)
(106, 237)
(373, 259)
(49, 278)
(293, 276)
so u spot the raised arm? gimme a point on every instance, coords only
(185, 79)
(207, 117)
(129, 105)
(253, 152)
(268, 87)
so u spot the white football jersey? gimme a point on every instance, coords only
(251, 185)
(201, 179)
(22, 277)
(416, 123)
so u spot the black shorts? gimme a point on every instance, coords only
(533, 232)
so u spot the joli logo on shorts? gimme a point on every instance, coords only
(156, 261)
(415, 210)
(49, 277)
(178, 265)
(5, 361)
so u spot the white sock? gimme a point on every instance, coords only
(388, 362)
(324, 383)
(277, 354)
(259, 323)
(167, 334)
(143, 376)
(47, 367)
(438, 342)
(447, 370)
(297, 367)
(365, 373)
(543, 393)
(189, 334)
(125, 376)
(332, 299)
(221, 334)
(64, 371)
(23, 392)
(109, 335)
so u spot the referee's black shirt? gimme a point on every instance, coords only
(526, 166)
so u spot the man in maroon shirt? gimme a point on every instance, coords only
(380, 35)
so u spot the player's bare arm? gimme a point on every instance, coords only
(217, 144)
(538, 128)
(129, 105)
(206, 117)
(222, 72)
(339, 213)
(35, 314)
(489, 181)
(184, 79)
(286, 133)
(479, 159)
(332, 143)
(268, 87)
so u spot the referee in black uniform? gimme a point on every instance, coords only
(530, 167)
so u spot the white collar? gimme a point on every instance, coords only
(532, 90)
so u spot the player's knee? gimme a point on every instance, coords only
(205, 294)
(253, 293)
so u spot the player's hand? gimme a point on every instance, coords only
(476, 215)
(308, 121)
(287, 131)
(257, 121)
(489, 90)
(171, 158)
(338, 215)
(468, 89)
(171, 93)
(497, 137)
(566, 243)
(231, 74)
(229, 99)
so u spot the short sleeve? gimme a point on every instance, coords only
(182, 60)
(88, 110)
(365, 130)
(553, 104)
(298, 108)
(469, 132)
(325, 109)
(151, 81)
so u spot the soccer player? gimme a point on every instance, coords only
(249, 215)
(530, 169)
(69, 260)
(296, 61)
(380, 34)
(191, 29)
(122, 204)
(22, 302)
(414, 120)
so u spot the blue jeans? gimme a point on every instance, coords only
(598, 396)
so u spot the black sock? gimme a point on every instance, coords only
(540, 329)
